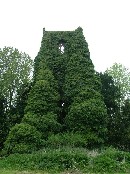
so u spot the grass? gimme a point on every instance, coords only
(33, 172)
(67, 160)
(4, 171)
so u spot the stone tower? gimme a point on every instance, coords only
(66, 91)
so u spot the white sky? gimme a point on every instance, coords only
(106, 26)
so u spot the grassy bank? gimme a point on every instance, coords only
(75, 160)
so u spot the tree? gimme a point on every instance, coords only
(111, 94)
(121, 77)
(17, 112)
(125, 125)
(3, 121)
(15, 70)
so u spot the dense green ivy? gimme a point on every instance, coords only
(66, 90)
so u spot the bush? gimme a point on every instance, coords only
(46, 160)
(110, 160)
(90, 118)
(72, 159)
(67, 139)
(22, 138)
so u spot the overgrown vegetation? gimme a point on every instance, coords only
(76, 160)
(65, 109)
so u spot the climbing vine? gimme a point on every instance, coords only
(66, 91)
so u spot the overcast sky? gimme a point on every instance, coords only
(105, 23)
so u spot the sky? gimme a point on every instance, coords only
(105, 23)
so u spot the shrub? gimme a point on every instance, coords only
(67, 139)
(56, 160)
(110, 160)
(90, 118)
(22, 138)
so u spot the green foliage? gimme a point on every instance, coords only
(118, 116)
(55, 160)
(42, 98)
(3, 122)
(22, 138)
(40, 114)
(21, 100)
(79, 75)
(65, 95)
(15, 69)
(112, 161)
(46, 124)
(111, 94)
(121, 77)
(88, 114)
(69, 139)
(75, 160)
(125, 125)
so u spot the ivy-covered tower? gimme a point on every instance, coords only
(66, 92)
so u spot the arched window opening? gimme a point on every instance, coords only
(62, 104)
(61, 48)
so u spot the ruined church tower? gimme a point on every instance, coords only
(66, 91)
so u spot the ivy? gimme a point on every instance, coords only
(66, 90)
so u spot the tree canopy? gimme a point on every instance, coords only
(121, 77)
(15, 70)
(15, 73)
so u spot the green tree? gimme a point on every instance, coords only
(111, 94)
(3, 121)
(121, 77)
(17, 111)
(15, 70)
(125, 125)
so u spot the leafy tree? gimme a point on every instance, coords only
(118, 117)
(3, 121)
(110, 92)
(125, 125)
(111, 95)
(15, 70)
(16, 112)
(121, 77)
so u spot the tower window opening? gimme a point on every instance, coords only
(62, 104)
(61, 48)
